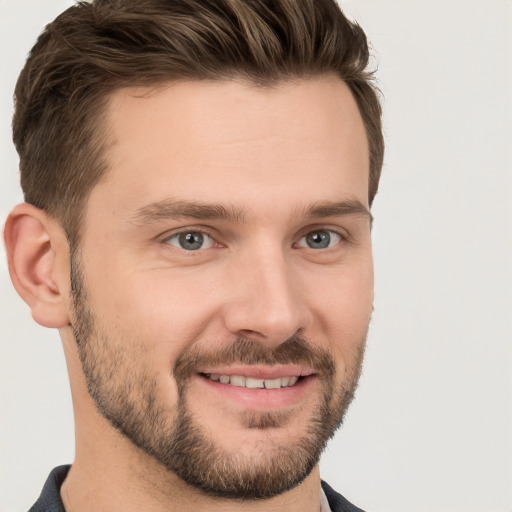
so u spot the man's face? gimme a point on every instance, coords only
(223, 286)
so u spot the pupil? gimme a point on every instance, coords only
(191, 241)
(318, 239)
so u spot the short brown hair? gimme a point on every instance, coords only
(94, 48)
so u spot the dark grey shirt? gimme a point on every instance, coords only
(50, 500)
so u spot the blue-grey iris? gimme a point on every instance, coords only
(191, 241)
(318, 239)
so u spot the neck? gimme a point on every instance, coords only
(136, 485)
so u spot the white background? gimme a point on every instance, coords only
(431, 428)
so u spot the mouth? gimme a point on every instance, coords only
(259, 387)
(254, 382)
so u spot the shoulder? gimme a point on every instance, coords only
(49, 500)
(337, 502)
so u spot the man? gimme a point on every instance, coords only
(198, 178)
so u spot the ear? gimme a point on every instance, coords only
(37, 255)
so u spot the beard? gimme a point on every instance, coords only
(128, 397)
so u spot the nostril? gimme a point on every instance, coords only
(267, 316)
(248, 333)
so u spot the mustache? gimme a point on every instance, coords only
(295, 350)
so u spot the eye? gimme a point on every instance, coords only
(320, 239)
(191, 240)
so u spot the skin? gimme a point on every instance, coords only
(271, 155)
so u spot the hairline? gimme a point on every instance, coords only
(103, 139)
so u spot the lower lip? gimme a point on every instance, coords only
(261, 398)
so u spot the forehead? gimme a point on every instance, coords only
(207, 140)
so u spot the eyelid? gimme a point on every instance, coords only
(185, 229)
(339, 236)
(338, 230)
(168, 235)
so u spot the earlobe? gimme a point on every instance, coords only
(34, 252)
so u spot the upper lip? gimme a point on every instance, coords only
(261, 371)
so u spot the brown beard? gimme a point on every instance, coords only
(127, 397)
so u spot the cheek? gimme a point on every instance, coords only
(343, 311)
(159, 312)
(357, 297)
(344, 298)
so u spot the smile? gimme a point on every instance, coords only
(253, 382)
(258, 387)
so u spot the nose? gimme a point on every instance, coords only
(265, 303)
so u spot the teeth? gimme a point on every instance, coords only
(285, 381)
(252, 382)
(238, 380)
(273, 383)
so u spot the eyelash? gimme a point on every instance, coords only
(341, 238)
(330, 232)
(194, 231)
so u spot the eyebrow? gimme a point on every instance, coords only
(169, 209)
(325, 209)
